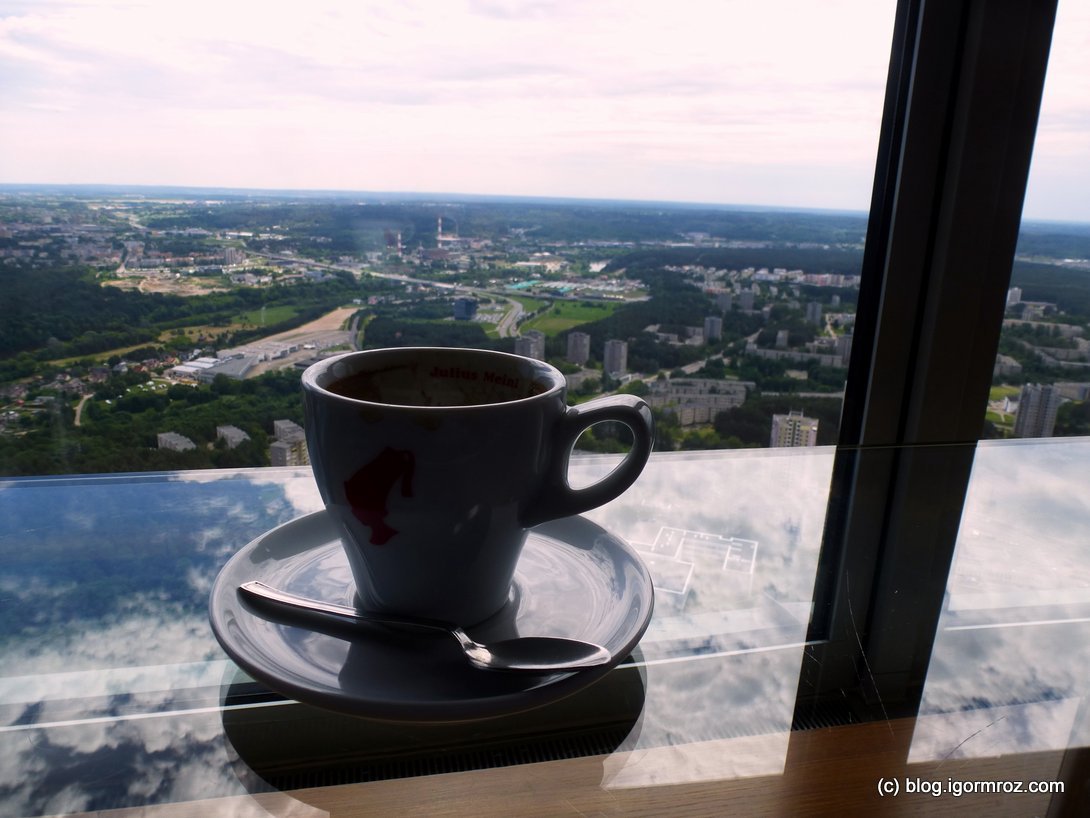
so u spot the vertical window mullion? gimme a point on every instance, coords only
(944, 224)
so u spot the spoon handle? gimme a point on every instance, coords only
(343, 614)
(533, 654)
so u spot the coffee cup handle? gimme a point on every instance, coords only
(558, 498)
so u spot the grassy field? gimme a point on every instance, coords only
(1005, 391)
(1003, 421)
(246, 320)
(563, 315)
(272, 315)
(97, 357)
(530, 304)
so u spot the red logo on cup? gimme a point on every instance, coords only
(368, 489)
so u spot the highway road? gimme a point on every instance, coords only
(507, 326)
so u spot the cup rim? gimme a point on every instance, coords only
(314, 371)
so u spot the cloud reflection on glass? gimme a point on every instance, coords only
(110, 675)
(732, 540)
(1008, 671)
(110, 682)
(114, 575)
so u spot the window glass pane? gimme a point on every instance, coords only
(1016, 602)
(1017, 588)
(685, 190)
(1042, 373)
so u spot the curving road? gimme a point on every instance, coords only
(79, 409)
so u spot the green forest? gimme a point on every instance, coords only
(120, 436)
(65, 312)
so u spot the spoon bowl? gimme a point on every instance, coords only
(529, 654)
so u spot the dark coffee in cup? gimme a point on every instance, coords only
(451, 385)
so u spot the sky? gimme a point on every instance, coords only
(720, 101)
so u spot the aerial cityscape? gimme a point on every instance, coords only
(787, 227)
(179, 231)
(147, 329)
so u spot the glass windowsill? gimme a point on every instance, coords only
(109, 664)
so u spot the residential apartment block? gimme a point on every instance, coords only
(696, 400)
(1037, 407)
(578, 348)
(615, 360)
(531, 344)
(793, 429)
(290, 446)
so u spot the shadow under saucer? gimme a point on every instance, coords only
(285, 745)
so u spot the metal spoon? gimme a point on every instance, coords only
(536, 654)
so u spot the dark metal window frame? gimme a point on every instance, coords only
(962, 101)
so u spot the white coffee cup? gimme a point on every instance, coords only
(435, 463)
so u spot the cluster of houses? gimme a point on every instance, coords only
(289, 446)
(43, 243)
(37, 395)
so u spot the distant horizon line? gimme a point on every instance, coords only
(430, 196)
(425, 196)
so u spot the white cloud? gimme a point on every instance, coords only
(618, 98)
(603, 99)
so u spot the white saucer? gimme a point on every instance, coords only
(574, 579)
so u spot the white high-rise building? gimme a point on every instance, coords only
(713, 328)
(1036, 416)
(531, 344)
(290, 446)
(793, 429)
(578, 348)
(844, 348)
(615, 360)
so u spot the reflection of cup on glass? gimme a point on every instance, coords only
(435, 462)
